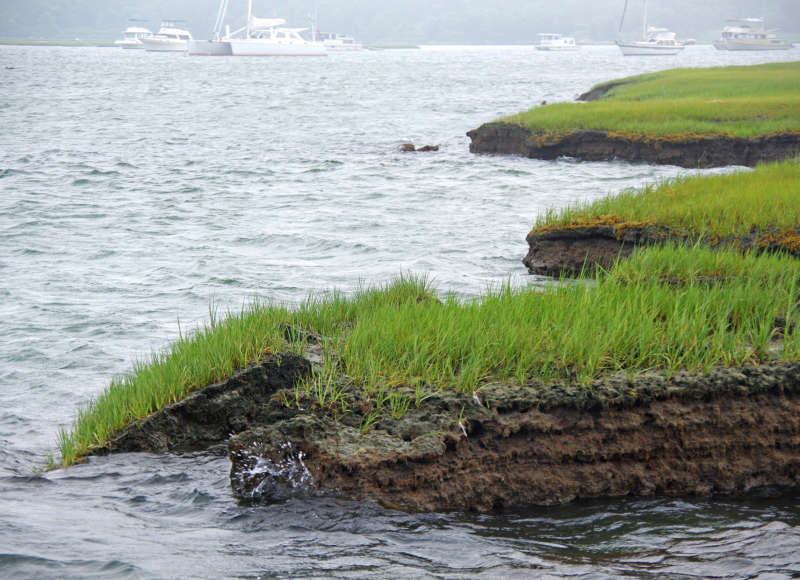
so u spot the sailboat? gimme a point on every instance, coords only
(268, 37)
(655, 41)
(218, 45)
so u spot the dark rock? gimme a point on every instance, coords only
(409, 148)
(718, 151)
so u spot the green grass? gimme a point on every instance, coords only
(400, 343)
(743, 101)
(764, 199)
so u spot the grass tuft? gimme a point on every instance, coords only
(684, 104)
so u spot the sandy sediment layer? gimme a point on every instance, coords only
(708, 151)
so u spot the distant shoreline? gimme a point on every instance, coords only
(77, 43)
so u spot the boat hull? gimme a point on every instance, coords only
(262, 47)
(164, 45)
(648, 49)
(129, 44)
(208, 48)
(751, 45)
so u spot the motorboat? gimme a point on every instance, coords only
(338, 42)
(655, 41)
(219, 44)
(553, 41)
(169, 38)
(132, 37)
(749, 34)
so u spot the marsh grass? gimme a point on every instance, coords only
(764, 199)
(400, 343)
(744, 101)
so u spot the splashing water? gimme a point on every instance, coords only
(276, 479)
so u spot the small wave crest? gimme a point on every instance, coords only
(263, 478)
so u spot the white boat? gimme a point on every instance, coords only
(338, 42)
(553, 41)
(219, 45)
(749, 34)
(132, 37)
(169, 38)
(268, 37)
(655, 41)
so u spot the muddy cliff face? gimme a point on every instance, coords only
(511, 139)
(729, 432)
(568, 250)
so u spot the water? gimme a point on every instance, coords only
(140, 191)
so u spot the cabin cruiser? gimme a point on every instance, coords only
(169, 38)
(132, 37)
(552, 41)
(749, 34)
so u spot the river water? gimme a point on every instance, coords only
(139, 192)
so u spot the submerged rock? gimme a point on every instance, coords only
(409, 148)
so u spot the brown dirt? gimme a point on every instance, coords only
(729, 432)
(570, 249)
(512, 139)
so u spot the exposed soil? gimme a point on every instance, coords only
(600, 91)
(568, 250)
(209, 416)
(509, 138)
(729, 432)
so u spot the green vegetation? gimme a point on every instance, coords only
(763, 200)
(399, 343)
(743, 101)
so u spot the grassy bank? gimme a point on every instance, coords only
(763, 200)
(399, 343)
(743, 101)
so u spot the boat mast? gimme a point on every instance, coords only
(249, 14)
(644, 22)
(223, 8)
(622, 20)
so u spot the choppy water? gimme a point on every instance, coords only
(138, 190)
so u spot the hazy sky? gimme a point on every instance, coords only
(419, 21)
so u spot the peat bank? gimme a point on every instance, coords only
(663, 359)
